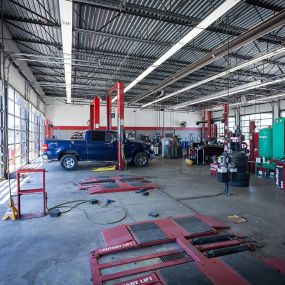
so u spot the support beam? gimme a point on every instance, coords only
(170, 17)
(31, 21)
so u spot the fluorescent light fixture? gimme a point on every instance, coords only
(271, 97)
(65, 8)
(253, 101)
(224, 73)
(220, 94)
(209, 20)
(235, 90)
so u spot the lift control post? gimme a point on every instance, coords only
(118, 89)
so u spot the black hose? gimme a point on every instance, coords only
(80, 202)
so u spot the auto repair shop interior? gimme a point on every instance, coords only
(142, 142)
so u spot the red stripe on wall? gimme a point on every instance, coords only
(83, 128)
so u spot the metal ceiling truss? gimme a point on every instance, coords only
(102, 65)
(260, 30)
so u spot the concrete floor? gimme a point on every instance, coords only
(55, 250)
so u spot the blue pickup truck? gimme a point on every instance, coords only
(98, 146)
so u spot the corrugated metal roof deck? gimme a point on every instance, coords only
(110, 43)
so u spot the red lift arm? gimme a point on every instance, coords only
(119, 88)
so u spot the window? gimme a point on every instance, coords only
(25, 131)
(111, 137)
(98, 136)
(1, 132)
(262, 120)
(17, 130)
(232, 123)
(220, 130)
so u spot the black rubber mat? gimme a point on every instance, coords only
(103, 176)
(176, 256)
(193, 225)
(184, 274)
(253, 270)
(136, 183)
(109, 185)
(131, 179)
(148, 232)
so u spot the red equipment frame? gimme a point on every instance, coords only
(21, 192)
(121, 238)
(96, 186)
(119, 88)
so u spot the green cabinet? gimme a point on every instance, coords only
(279, 138)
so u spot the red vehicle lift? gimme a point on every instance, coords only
(95, 114)
(182, 250)
(49, 127)
(123, 183)
(209, 126)
(119, 88)
(226, 120)
(21, 192)
(253, 146)
(203, 125)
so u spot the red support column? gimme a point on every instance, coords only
(226, 120)
(109, 108)
(252, 146)
(96, 112)
(91, 121)
(121, 119)
(203, 124)
(49, 127)
(209, 128)
(119, 88)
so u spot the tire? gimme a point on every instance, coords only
(68, 162)
(141, 159)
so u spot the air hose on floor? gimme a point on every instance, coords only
(56, 210)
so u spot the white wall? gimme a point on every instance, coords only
(75, 115)
(67, 118)
(16, 80)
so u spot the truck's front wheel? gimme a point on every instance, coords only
(141, 159)
(69, 162)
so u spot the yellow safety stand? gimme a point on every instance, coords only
(11, 212)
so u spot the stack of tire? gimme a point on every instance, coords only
(240, 160)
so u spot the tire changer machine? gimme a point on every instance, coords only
(233, 169)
